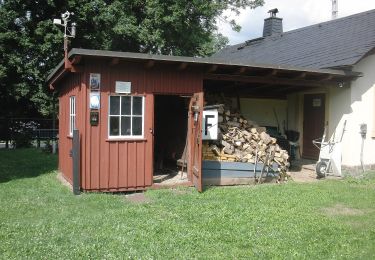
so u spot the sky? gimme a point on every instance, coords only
(295, 14)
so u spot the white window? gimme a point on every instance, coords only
(72, 115)
(126, 115)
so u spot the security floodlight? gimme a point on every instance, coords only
(57, 21)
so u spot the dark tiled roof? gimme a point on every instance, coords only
(336, 43)
(132, 56)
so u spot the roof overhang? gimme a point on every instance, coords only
(213, 69)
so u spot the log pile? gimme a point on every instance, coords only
(241, 140)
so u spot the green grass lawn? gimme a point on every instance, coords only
(42, 219)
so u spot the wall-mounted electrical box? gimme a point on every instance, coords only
(363, 130)
(94, 118)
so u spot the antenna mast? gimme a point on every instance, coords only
(335, 9)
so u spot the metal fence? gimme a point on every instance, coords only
(45, 134)
(38, 129)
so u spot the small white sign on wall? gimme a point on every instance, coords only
(94, 100)
(317, 102)
(123, 87)
(210, 125)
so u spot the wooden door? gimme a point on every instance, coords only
(313, 123)
(149, 135)
(195, 140)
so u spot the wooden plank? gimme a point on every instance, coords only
(228, 181)
(241, 70)
(140, 161)
(301, 75)
(226, 174)
(105, 153)
(212, 68)
(149, 64)
(234, 166)
(234, 181)
(123, 165)
(233, 174)
(182, 66)
(113, 172)
(149, 134)
(83, 111)
(114, 61)
(132, 164)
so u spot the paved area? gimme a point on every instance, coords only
(303, 171)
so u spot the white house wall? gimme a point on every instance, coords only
(262, 111)
(356, 105)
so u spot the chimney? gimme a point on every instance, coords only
(273, 25)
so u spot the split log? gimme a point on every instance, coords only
(241, 139)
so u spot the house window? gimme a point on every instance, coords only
(72, 115)
(126, 115)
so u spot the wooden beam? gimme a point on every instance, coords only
(149, 64)
(328, 77)
(302, 75)
(212, 68)
(182, 66)
(76, 68)
(76, 60)
(266, 80)
(284, 89)
(252, 89)
(241, 70)
(272, 73)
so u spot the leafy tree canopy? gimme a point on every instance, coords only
(30, 45)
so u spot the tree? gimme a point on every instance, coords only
(31, 46)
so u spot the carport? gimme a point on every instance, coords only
(286, 98)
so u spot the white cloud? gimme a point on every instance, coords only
(295, 14)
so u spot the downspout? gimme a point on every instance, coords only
(363, 132)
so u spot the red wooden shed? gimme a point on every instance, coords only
(122, 105)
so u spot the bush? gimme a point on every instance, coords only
(22, 133)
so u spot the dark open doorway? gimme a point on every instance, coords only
(170, 131)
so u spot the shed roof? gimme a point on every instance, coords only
(231, 66)
(337, 43)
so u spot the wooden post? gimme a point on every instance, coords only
(38, 139)
(76, 163)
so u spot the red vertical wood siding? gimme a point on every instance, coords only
(71, 86)
(109, 165)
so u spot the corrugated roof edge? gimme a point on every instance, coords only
(195, 60)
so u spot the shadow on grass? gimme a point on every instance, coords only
(25, 163)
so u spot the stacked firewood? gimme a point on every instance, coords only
(241, 140)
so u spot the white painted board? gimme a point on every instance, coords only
(210, 125)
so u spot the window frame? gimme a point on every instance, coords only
(132, 137)
(72, 115)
